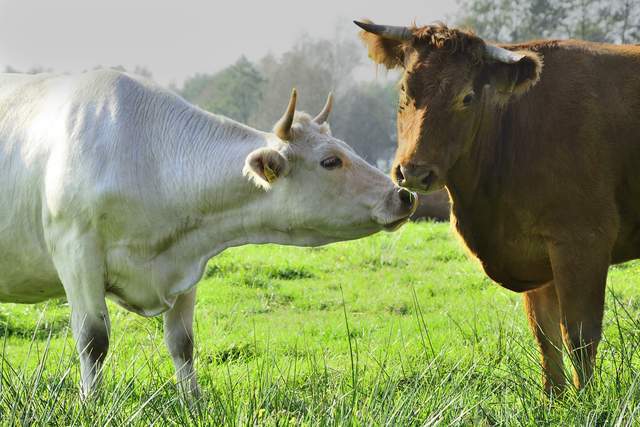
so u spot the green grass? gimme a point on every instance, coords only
(398, 329)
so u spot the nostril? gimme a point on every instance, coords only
(399, 174)
(406, 197)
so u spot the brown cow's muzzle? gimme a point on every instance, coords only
(416, 177)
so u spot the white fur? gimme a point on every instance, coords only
(113, 187)
(256, 179)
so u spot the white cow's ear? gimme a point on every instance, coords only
(264, 166)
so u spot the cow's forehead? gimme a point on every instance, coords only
(344, 145)
(311, 137)
(437, 73)
(312, 142)
(320, 141)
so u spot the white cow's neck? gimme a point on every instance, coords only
(211, 192)
(209, 151)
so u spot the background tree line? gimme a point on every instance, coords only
(612, 21)
(257, 92)
(364, 112)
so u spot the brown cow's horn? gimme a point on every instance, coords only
(502, 55)
(386, 31)
(324, 114)
(283, 128)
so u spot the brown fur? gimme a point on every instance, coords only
(543, 168)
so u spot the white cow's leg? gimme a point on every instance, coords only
(80, 265)
(178, 335)
(91, 327)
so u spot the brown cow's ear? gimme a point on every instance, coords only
(518, 77)
(264, 166)
(385, 51)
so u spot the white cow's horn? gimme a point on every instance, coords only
(386, 31)
(283, 128)
(501, 55)
(324, 114)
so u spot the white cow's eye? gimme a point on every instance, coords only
(332, 162)
(468, 99)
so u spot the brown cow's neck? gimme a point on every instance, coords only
(479, 180)
(479, 172)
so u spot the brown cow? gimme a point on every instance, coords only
(542, 165)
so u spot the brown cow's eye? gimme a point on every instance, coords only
(332, 162)
(468, 99)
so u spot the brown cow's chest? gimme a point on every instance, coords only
(516, 259)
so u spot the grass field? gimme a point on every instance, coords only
(399, 329)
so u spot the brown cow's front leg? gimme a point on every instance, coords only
(580, 276)
(543, 312)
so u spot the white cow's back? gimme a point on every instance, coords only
(90, 149)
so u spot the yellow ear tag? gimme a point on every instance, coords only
(269, 174)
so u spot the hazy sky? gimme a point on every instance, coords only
(176, 39)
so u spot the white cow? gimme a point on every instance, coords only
(113, 187)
